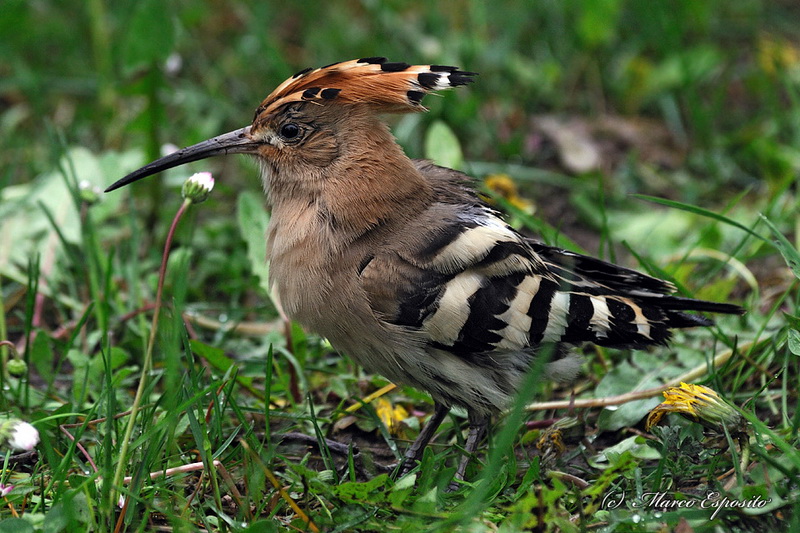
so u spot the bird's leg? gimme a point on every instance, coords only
(414, 452)
(477, 429)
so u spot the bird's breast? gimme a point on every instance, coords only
(315, 279)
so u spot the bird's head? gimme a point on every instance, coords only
(320, 119)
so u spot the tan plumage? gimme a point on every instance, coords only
(402, 267)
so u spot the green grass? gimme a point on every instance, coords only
(691, 112)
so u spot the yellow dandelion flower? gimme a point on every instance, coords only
(503, 185)
(391, 415)
(698, 403)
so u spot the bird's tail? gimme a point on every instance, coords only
(609, 305)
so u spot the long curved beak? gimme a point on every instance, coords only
(234, 142)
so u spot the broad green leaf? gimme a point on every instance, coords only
(372, 491)
(118, 358)
(623, 379)
(27, 232)
(69, 514)
(442, 146)
(698, 211)
(253, 221)
(634, 444)
(405, 482)
(16, 525)
(794, 341)
(792, 320)
(662, 231)
(627, 414)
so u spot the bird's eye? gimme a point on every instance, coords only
(289, 131)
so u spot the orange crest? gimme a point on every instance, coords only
(372, 81)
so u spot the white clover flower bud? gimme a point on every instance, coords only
(197, 188)
(23, 436)
(89, 193)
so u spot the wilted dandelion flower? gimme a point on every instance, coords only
(698, 403)
(551, 440)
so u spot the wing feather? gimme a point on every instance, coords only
(475, 287)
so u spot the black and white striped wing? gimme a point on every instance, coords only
(474, 286)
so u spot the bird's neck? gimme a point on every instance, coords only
(374, 185)
(314, 234)
(381, 186)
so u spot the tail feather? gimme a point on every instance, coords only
(581, 268)
(614, 306)
(677, 303)
(617, 320)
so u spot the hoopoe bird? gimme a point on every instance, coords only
(400, 265)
